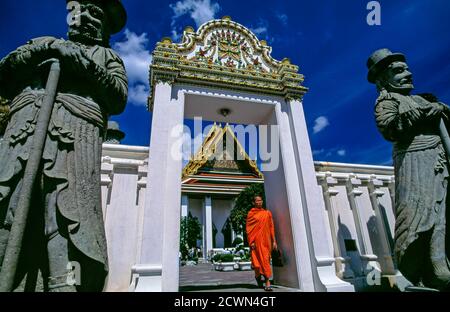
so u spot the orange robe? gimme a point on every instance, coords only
(260, 230)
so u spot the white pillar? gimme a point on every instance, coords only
(208, 226)
(184, 206)
(233, 233)
(385, 258)
(369, 260)
(157, 268)
(321, 252)
(204, 253)
(343, 269)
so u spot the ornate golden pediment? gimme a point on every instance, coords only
(224, 54)
(227, 44)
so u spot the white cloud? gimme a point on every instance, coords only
(200, 11)
(261, 28)
(318, 152)
(329, 152)
(320, 124)
(138, 94)
(137, 59)
(283, 18)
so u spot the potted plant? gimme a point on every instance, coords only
(245, 264)
(224, 262)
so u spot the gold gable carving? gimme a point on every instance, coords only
(208, 149)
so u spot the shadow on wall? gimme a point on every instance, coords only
(374, 236)
(390, 235)
(350, 252)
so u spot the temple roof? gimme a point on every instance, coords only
(221, 157)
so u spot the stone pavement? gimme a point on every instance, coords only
(203, 277)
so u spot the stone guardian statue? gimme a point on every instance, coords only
(62, 246)
(416, 125)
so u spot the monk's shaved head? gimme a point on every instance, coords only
(258, 201)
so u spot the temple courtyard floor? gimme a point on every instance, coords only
(203, 277)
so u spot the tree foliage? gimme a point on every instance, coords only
(190, 232)
(244, 203)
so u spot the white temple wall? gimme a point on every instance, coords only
(358, 201)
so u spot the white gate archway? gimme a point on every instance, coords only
(223, 64)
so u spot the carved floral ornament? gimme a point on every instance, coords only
(224, 54)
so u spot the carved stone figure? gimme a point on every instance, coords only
(415, 124)
(63, 246)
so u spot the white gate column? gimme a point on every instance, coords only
(157, 267)
(321, 253)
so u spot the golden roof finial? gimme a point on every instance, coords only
(166, 40)
(286, 61)
(189, 29)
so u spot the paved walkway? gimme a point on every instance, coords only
(203, 277)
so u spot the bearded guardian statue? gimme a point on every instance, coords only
(65, 224)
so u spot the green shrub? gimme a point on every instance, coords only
(246, 256)
(237, 241)
(216, 257)
(244, 203)
(227, 257)
(190, 232)
(223, 258)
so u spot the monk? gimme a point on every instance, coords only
(261, 238)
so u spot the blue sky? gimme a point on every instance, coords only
(329, 39)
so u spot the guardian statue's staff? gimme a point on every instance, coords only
(415, 125)
(64, 223)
